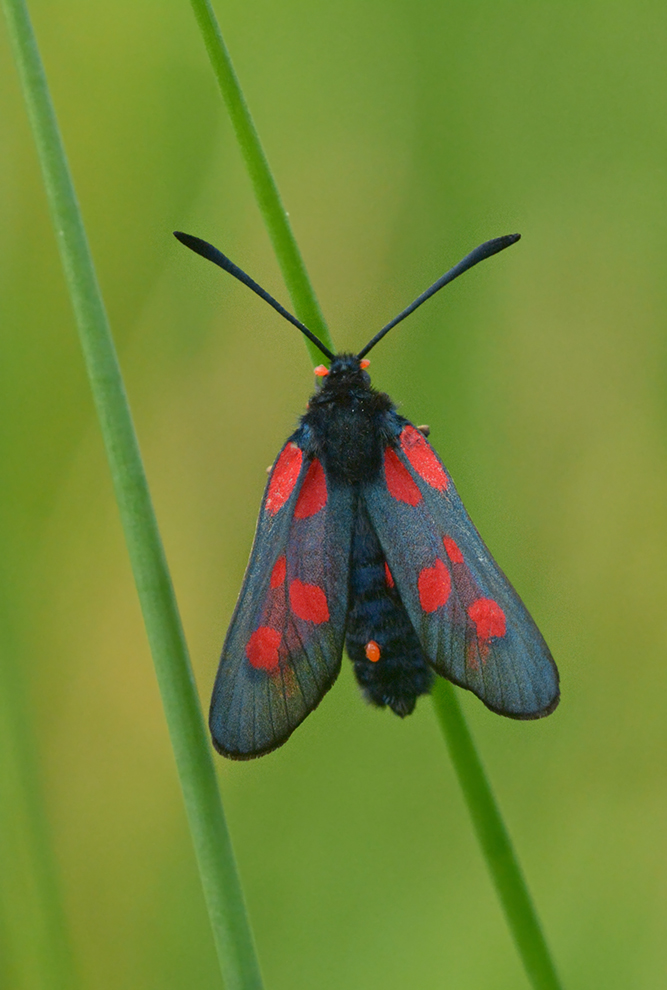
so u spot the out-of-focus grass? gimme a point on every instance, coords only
(400, 137)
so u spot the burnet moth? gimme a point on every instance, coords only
(363, 542)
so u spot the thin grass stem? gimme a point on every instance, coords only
(266, 191)
(491, 831)
(494, 839)
(222, 889)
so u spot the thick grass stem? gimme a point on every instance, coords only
(208, 828)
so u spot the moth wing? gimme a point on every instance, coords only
(283, 649)
(473, 627)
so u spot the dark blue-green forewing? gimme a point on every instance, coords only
(284, 645)
(473, 627)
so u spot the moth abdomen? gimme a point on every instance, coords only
(389, 664)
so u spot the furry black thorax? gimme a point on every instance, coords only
(348, 423)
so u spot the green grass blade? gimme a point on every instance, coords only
(491, 832)
(268, 198)
(194, 761)
(495, 841)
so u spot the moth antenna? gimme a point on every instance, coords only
(480, 253)
(211, 253)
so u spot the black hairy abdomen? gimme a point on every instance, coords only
(377, 615)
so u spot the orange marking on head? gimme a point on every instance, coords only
(372, 651)
(321, 371)
(388, 575)
(364, 363)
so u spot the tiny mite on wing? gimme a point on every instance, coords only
(363, 542)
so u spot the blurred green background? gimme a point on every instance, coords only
(401, 134)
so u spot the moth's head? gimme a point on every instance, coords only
(345, 370)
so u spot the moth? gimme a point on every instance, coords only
(363, 544)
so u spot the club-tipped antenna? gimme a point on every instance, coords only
(211, 253)
(479, 254)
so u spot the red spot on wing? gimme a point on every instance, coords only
(398, 479)
(388, 575)
(308, 601)
(278, 572)
(372, 651)
(488, 617)
(423, 458)
(284, 477)
(452, 549)
(313, 494)
(434, 585)
(262, 648)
